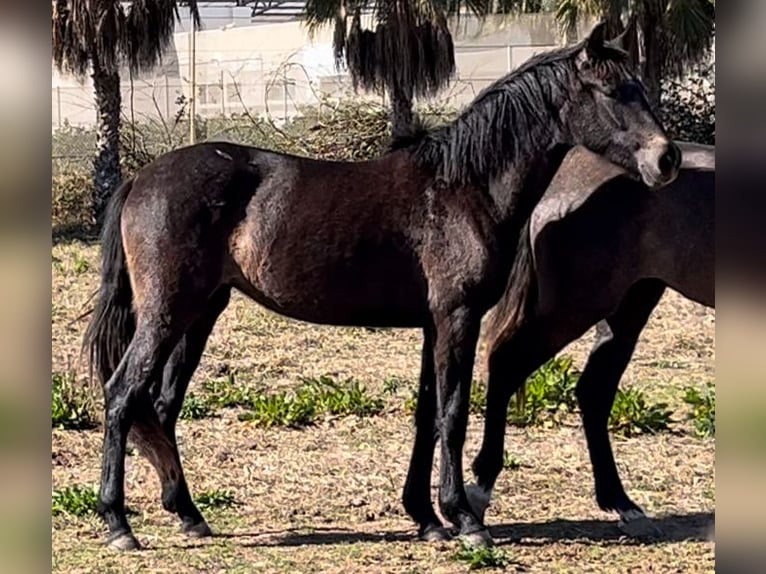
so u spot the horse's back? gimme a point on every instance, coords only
(696, 155)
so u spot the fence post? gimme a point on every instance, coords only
(509, 58)
(58, 105)
(223, 96)
(167, 97)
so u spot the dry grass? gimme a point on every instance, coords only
(326, 498)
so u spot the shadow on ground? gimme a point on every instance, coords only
(695, 527)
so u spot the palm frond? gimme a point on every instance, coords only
(689, 28)
(101, 33)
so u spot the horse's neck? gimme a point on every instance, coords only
(518, 190)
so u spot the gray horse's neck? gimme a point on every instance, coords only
(518, 190)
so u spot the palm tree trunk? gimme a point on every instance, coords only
(613, 17)
(401, 113)
(106, 165)
(651, 28)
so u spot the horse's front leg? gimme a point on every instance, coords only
(454, 351)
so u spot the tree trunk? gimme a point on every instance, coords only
(401, 113)
(613, 18)
(651, 27)
(106, 165)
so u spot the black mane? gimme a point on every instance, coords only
(507, 121)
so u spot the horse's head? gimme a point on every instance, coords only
(609, 114)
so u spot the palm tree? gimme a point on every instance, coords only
(97, 37)
(409, 53)
(675, 34)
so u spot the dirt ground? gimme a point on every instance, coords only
(327, 498)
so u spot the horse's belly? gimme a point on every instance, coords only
(343, 295)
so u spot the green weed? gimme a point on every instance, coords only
(631, 414)
(510, 462)
(484, 557)
(226, 392)
(217, 498)
(315, 397)
(703, 409)
(195, 408)
(280, 409)
(345, 398)
(548, 394)
(75, 500)
(71, 406)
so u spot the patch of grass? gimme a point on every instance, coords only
(195, 408)
(392, 385)
(549, 393)
(632, 415)
(411, 402)
(480, 558)
(345, 398)
(280, 409)
(314, 398)
(665, 364)
(510, 462)
(226, 392)
(217, 498)
(71, 405)
(80, 265)
(478, 401)
(703, 409)
(75, 500)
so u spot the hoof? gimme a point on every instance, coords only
(478, 539)
(635, 524)
(435, 534)
(478, 499)
(199, 530)
(125, 541)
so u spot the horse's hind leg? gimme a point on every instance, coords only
(417, 488)
(126, 398)
(511, 360)
(597, 387)
(168, 400)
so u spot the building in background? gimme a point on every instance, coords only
(259, 59)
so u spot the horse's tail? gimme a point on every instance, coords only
(510, 312)
(112, 323)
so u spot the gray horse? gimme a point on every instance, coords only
(599, 249)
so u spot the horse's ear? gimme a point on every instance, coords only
(594, 45)
(628, 41)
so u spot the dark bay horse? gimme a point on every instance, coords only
(422, 237)
(599, 249)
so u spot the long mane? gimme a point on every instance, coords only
(508, 120)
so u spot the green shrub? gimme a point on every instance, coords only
(392, 385)
(687, 108)
(210, 499)
(631, 414)
(510, 462)
(195, 408)
(482, 557)
(703, 409)
(347, 398)
(280, 409)
(548, 394)
(75, 500)
(315, 397)
(226, 392)
(71, 405)
(477, 404)
(72, 198)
